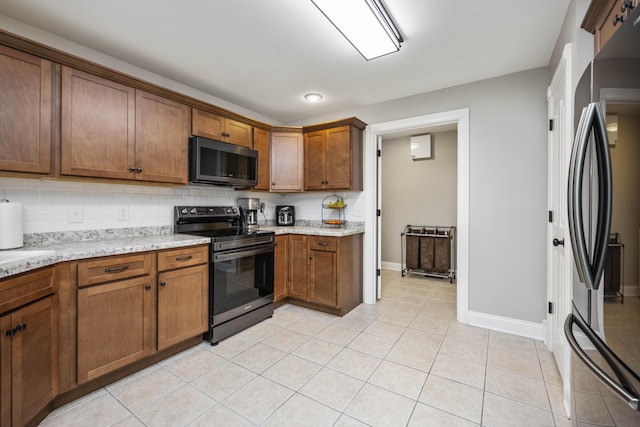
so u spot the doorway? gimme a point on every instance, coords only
(372, 236)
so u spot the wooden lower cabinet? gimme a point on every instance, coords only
(114, 326)
(28, 361)
(325, 272)
(323, 277)
(183, 304)
(298, 273)
(280, 267)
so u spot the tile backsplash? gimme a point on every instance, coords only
(52, 205)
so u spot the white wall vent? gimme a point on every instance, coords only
(420, 147)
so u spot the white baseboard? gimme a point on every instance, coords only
(507, 324)
(395, 266)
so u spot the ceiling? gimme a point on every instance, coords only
(264, 55)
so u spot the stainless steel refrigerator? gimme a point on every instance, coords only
(603, 329)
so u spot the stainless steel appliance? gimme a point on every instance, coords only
(240, 267)
(604, 334)
(249, 208)
(285, 215)
(218, 163)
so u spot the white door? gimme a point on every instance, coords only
(559, 256)
(379, 218)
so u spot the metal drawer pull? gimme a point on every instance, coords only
(322, 244)
(116, 269)
(184, 258)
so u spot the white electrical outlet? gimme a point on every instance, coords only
(123, 213)
(74, 214)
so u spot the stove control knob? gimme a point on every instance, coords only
(229, 210)
(235, 211)
(193, 211)
(184, 211)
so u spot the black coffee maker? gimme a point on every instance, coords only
(285, 215)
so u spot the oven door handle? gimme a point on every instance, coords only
(623, 386)
(226, 256)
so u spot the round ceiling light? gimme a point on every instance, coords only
(313, 97)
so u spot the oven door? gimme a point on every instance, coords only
(241, 281)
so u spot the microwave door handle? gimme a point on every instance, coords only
(576, 172)
(624, 389)
(603, 225)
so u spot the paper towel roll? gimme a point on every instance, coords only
(11, 225)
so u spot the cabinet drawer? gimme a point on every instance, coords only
(18, 291)
(183, 257)
(323, 243)
(113, 268)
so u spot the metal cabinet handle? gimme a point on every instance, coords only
(163, 284)
(557, 242)
(132, 169)
(184, 258)
(139, 170)
(116, 269)
(627, 5)
(322, 244)
(148, 287)
(617, 19)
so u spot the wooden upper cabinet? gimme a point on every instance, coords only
(287, 161)
(98, 127)
(261, 143)
(162, 135)
(603, 18)
(25, 115)
(220, 128)
(333, 159)
(110, 130)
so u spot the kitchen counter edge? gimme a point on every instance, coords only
(99, 248)
(313, 231)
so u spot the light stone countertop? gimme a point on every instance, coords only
(69, 251)
(82, 249)
(313, 231)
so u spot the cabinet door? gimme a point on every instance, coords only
(261, 140)
(162, 139)
(34, 359)
(287, 161)
(338, 158)
(281, 261)
(114, 326)
(25, 115)
(238, 133)
(5, 370)
(314, 160)
(207, 124)
(298, 266)
(98, 126)
(323, 277)
(183, 304)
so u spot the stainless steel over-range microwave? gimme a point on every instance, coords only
(218, 163)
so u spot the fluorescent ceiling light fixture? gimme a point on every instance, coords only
(313, 97)
(366, 24)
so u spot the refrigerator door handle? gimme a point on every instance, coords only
(590, 266)
(623, 386)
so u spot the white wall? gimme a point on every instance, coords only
(508, 180)
(420, 192)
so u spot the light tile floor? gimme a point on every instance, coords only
(402, 362)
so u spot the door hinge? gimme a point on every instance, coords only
(550, 309)
(550, 124)
(379, 153)
(378, 272)
(550, 216)
(378, 213)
